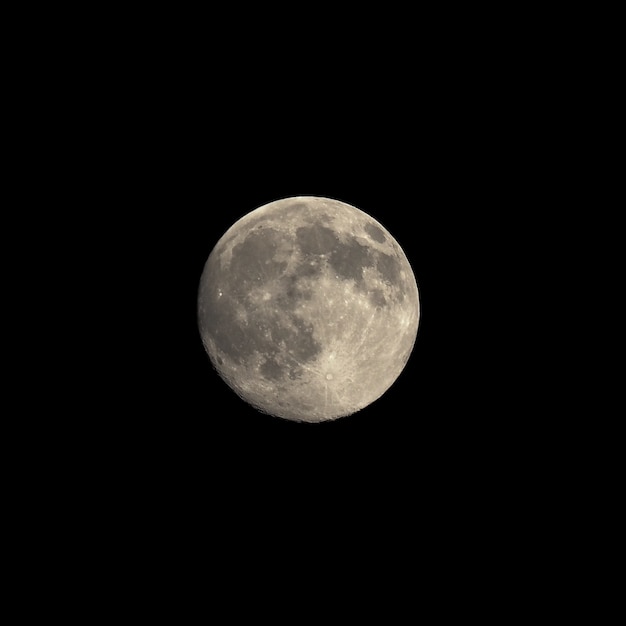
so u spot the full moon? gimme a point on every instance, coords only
(308, 309)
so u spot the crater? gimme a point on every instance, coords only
(271, 370)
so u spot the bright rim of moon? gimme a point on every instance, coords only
(308, 309)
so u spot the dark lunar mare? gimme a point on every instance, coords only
(266, 329)
(316, 240)
(389, 268)
(377, 298)
(253, 259)
(349, 260)
(375, 233)
(346, 259)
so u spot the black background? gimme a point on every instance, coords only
(157, 141)
(432, 180)
(171, 149)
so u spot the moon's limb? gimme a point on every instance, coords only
(308, 308)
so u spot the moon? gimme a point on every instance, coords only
(308, 309)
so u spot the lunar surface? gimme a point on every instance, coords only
(308, 309)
